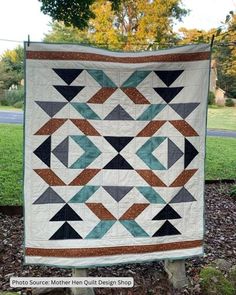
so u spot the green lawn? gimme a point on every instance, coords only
(9, 108)
(10, 163)
(221, 162)
(222, 118)
(221, 158)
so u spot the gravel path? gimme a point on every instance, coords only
(150, 278)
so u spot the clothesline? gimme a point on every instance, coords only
(131, 43)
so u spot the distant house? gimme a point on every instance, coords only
(220, 96)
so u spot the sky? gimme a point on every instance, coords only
(20, 18)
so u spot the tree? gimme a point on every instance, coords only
(226, 56)
(146, 22)
(5, 78)
(133, 24)
(224, 50)
(12, 67)
(72, 12)
(187, 36)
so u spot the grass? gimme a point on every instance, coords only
(221, 118)
(221, 162)
(11, 164)
(221, 158)
(9, 108)
(213, 281)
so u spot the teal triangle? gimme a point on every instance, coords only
(101, 78)
(84, 194)
(85, 110)
(151, 195)
(151, 112)
(145, 153)
(91, 152)
(135, 78)
(100, 229)
(134, 228)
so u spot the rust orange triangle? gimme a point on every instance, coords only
(183, 127)
(134, 211)
(84, 177)
(49, 177)
(151, 178)
(135, 95)
(100, 211)
(85, 127)
(50, 127)
(183, 178)
(151, 128)
(102, 95)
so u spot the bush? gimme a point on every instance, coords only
(211, 98)
(14, 96)
(229, 102)
(19, 105)
(213, 282)
(4, 102)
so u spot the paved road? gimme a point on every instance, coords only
(11, 117)
(17, 118)
(221, 133)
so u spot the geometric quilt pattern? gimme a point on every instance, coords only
(114, 154)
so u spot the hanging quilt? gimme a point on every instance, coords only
(114, 154)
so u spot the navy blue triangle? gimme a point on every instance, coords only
(167, 213)
(118, 163)
(65, 232)
(68, 75)
(167, 229)
(168, 93)
(68, 92)
(66, 213)
(118, 143)
(168, 77)
(43, 152)
(190, 153)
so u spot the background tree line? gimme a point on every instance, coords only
(128, 25)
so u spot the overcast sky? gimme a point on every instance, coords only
(18, 18)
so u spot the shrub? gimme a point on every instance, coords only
(211, 98)
(229, 102)
(213, 282)
(4, 102)
(14, 96)
(19, 105)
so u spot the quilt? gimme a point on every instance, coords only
(114, 154)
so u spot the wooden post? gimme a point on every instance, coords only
(82, 272)
(176, 272)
